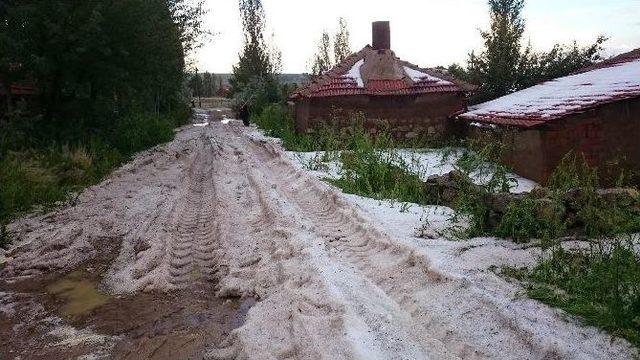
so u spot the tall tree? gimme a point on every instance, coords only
(321, 61)
(256, 59)
(498, 65)
(341, 42)
(95, 60)
(505, 65)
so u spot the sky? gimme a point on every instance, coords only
(425, 32)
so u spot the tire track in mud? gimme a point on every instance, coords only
(193, 255)
(277, 270)
(340, 228)
(177, 245)
(406, 277)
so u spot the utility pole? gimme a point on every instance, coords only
(198, 89)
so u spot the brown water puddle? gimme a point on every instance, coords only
(154, 325)
(78, 294)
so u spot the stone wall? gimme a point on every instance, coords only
(445, 189)
(406, 117)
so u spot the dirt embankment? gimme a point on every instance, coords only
(215, 246)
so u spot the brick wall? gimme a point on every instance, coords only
(608, 137)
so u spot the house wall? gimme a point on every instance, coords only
(404, 116)
(608, 137)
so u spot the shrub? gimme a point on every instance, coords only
(276, 121)
(258, 94)
(26, 180)
(600, 285)
(136, 132)
(523, 221)
(371, 167)
(5, 237)
(571, 173)
(43, 176)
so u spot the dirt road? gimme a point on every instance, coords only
(214, 246)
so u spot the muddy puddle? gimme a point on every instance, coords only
(155, 325)
(78, 294)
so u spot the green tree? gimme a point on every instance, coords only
(94, 61)
(341, 42)
(496, 68)
(505, 65)
(256, 59)
(560, 61)
(321, 61)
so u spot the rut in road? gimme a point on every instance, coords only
(407, 278)
(221, 212)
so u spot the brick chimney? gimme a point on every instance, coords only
(381, 35)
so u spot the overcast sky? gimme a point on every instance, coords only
(425, 32)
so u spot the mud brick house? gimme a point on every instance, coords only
(16, 92)
(407, 100)
(594, 112)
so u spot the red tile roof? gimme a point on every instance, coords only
(19, 89)
(354, 76)
(609, 81)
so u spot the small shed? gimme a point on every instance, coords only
(403, 98)
(594, 112)
(15, 92)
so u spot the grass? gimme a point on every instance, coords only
(40, 176)
(371, 165)
(373, 168)
(601, 284)
(524, 221)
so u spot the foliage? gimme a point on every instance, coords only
(110, 77)
(373, 168)
(560, 61)
(259, 93)
(328, 55)
(481, 158)
(505, 65)
(44, 176)
(205, 84)
(573, 174)
(321, 62)
(341, 42)
(257, 59)
(522, 222)
(94, 60)
(277, 122)
(496, 67)
(5, 237)
(600, 284)
(187, 15)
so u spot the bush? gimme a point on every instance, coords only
(276, 121)
(523, 221)
(371, 167)
(33, 176)
(138, 131)
(600, 285)
(258, 94)
(27, 180)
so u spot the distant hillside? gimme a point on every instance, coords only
(299, 79)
